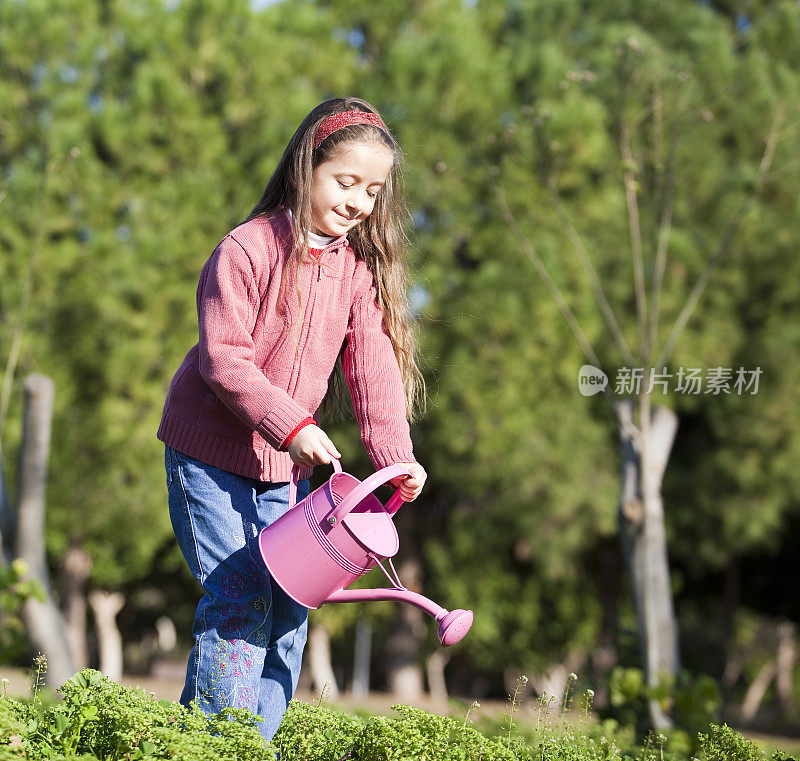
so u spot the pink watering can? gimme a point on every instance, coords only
(335, 535)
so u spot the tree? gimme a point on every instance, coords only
(135, 136)
(648, 144)
(189, 107)
(502, 463)
(553, 95)
(23, 537)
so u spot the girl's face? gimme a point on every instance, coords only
(343, 188)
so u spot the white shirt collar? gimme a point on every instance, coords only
(314, 240)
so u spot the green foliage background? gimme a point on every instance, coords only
(134, 135)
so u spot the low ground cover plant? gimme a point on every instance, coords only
(97, 719)
(100, 719)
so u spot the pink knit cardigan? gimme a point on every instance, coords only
(256, 374)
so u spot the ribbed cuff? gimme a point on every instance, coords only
(391, 456)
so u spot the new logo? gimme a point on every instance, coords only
(591, 380)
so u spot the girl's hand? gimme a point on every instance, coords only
(410, 486)
(311, 446)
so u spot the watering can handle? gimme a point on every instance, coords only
(395, 502)
(366, 487)
(293, 482)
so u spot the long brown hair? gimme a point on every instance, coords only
(380, 240)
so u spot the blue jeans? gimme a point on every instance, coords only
(248, 633)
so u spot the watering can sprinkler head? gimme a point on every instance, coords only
(454, 626)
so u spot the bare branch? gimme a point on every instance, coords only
(530, 251)
(659, 160)
(50, 168)
(594, 280)
(664, 229)
(727, 238)
(629, 178)
(22, 312)
(783, 169)
(788, 129)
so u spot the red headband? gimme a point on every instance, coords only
(345, 119)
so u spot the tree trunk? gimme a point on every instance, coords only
(730, 602)
(166, 634)
(641, 519)
(757, 689)
(553, 682)
(75, 571)
(550, 685)
(43, 620)
(7, 519)
(319, 661)
(361, 657)
(106, 606)
(604, 656)
(437, 684)
(404, 672)
(785, 659)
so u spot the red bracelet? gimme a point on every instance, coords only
(302, 424)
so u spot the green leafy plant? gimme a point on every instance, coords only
(512, 705)
(311, 732)
(725, 744)
(694, 701)
(417, 734)
(63, 727)
(15, 589)
(99, 719)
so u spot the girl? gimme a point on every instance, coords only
(312, 276)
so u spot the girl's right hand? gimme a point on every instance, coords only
(311, 446)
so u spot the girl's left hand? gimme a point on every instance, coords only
(410, 486)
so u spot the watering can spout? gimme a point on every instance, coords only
(453, 625)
